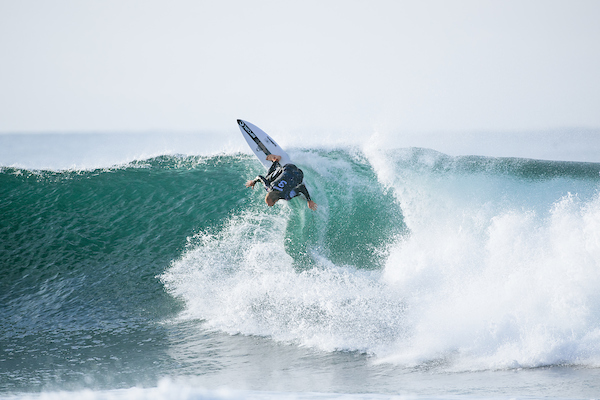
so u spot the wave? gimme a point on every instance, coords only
(414, 257)
(484, 263)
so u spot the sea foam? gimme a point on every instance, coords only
(492, 270)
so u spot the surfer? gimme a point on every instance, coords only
(282, 182)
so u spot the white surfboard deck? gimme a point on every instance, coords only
(262, 144)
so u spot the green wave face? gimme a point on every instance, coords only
(116, 229)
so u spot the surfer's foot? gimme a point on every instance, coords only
(273, 157)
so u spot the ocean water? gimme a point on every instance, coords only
(422, 275)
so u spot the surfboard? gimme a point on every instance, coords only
(262, 144)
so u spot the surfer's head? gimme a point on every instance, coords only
(271, 198)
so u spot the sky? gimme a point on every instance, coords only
(323, 66)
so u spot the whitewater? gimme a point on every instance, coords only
(135, 271)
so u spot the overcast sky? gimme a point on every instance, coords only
(331, 65)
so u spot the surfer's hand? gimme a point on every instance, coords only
(273, 157)
(312, 205)
(251, 184)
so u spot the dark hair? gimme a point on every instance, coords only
(273, 195)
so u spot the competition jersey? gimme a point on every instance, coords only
(286, 180)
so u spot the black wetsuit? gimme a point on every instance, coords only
(286, 180)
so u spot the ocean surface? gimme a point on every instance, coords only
(421, 275)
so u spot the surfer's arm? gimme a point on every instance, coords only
(270, 174)
(253, 182)
(262, 179)
(304, 191)
(273, 167)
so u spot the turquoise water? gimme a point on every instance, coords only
(420, 274)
